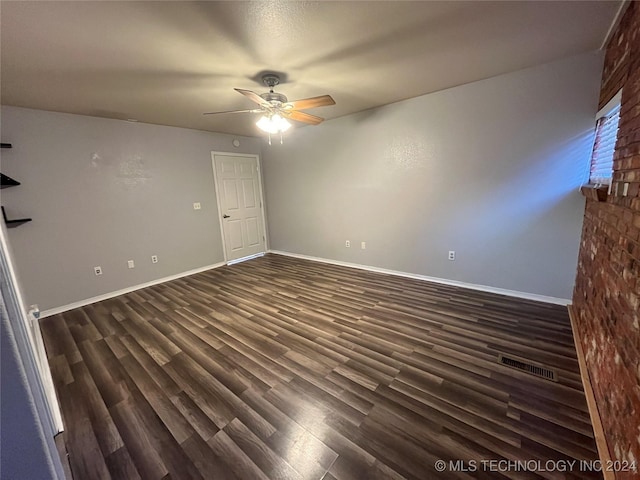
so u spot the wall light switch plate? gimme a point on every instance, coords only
(197, 206)
(130, 264)
(97, 270)
(363, 245)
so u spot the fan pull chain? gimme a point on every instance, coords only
(269, 139)
(281, 142)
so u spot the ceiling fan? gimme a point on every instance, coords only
(276, 109)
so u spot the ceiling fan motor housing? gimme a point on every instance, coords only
(275, 99)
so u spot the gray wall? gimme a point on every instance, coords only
(101, 192)
(489, 169)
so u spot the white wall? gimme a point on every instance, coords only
(489, 169)
(101, 192)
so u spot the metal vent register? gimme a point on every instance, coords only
(528, 367)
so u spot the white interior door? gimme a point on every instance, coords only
(240, 200)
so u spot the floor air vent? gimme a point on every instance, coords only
(528, 367)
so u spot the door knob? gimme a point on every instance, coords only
(225, 216)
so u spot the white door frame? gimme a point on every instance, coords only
(40, 392)
(220, 213)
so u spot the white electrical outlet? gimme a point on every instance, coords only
(197, 206)
(363, 245)
(154, 258)
(97, 270)
(452, 255)
(130, 264)
(347, 244)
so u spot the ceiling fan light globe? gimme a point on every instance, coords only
(281, 124)
(274, 124)
(265, 125)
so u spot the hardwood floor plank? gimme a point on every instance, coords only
(98, 362)
(121, 465)
(306, 454)
(175, 422)
(209, 359)
(60, 371)
(96, 410)
(388, 444)
(80, 436)
(137, 440)
(201, 423)
(265, 375)
(207, 460)
(323, 398)
(198, 385)
(153, 370)
(281, 368)
(173, 455)
(237, 461)
(273, 466)
(58, 339)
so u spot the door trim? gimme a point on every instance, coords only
(262, 211)
(41, 396)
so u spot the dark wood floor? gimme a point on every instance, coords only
(281, 368)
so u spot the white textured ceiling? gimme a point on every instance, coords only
(167, 62)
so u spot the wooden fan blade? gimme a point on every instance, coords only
(321, 101)
(253, 96)
(303, 117)
(233, 111)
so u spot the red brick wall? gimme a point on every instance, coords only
(607, 293)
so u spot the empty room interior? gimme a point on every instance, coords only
(320, 240)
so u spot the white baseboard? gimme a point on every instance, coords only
(455, 283)
(244, 259)
(472, 286)
(106, 296)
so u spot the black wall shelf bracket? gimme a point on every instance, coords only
(7, 181)
(15, 222)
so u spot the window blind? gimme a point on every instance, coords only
(604, 147)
